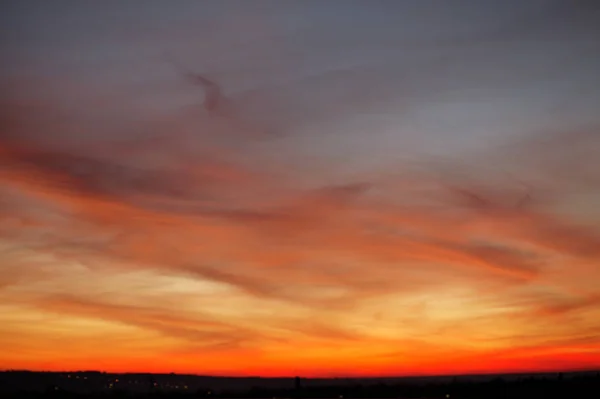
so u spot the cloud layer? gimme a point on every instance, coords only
(359, 214)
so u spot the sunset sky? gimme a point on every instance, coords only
(387, 188)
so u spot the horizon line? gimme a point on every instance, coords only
(367, 377)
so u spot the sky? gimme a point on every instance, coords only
(384, 188)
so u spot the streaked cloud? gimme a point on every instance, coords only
(414, 206)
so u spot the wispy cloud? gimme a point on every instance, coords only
(343, 242)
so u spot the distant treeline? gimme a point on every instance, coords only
(580, 387)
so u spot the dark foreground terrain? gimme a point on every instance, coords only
(19, 384)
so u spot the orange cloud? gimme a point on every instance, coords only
(168, 263)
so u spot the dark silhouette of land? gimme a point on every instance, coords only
(93, 384)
